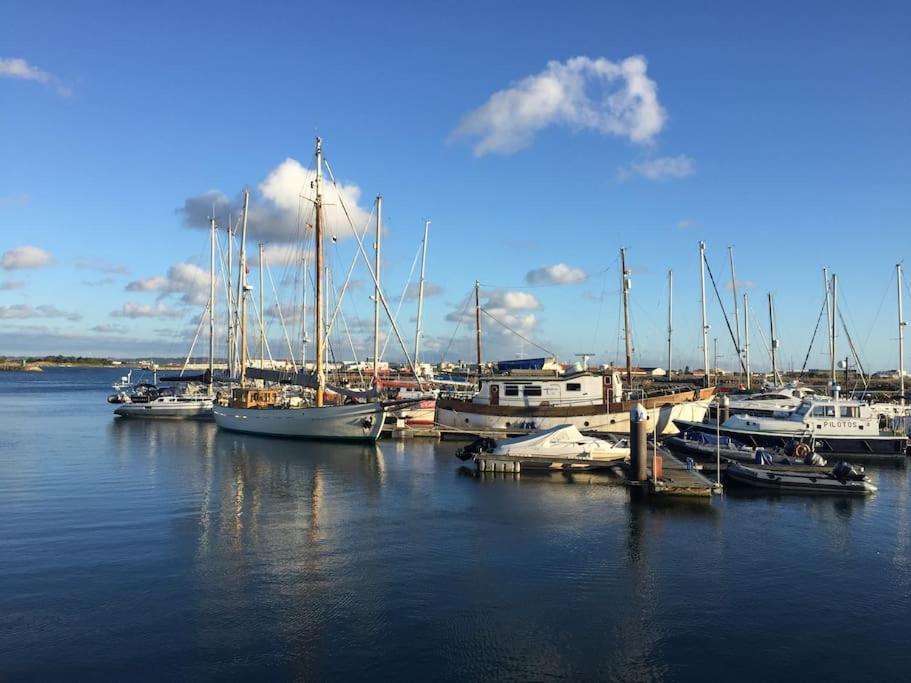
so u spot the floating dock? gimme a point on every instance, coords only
(675, 479)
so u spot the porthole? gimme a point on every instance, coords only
(586, 424)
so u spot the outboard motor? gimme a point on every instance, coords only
(480, 445)
(846, 472)
(762, 457)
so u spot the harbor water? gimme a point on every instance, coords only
(144, 550)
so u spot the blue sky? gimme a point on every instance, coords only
(779, 129)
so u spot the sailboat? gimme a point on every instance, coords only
(268, 411)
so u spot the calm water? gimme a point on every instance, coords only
(144, 550)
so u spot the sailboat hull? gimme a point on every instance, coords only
(359, 422)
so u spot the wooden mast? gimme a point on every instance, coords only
(262, 311)
(230, 302)
(318, 294)
(629, 347)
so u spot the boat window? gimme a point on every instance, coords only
(573, 386)
(510, 390)
(850, 411)
(533, 390)
(824, 411)
(803, 409)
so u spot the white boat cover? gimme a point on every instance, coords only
(561, 441)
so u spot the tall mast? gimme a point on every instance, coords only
(211, 301)
(746, 339)
(318, 294)
(262, 310)
(242, 291)
(670, 322)
(477, 320)
(901, 335)
(825, 282)
(834, 330)
(736, 308)
(417, 331)
(629, 348)
(230, 303)
(705, 325)
(774, 338)
(376, 287)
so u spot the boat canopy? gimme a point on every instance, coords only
(707, 439)
(521, 364)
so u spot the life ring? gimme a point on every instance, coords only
(801, 450)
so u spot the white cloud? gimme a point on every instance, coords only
(186, 279)
(662, 168)
(557, 274)
(135, 310)
(613, 98)
(280, 255)
(25, 256)
(16, 67)
(511, 301)
(8, 285)
(24, 311)
(282, 209)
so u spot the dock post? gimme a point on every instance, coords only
(638, 423)
(724, 409)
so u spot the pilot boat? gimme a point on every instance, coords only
(830, 425)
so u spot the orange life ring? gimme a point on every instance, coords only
(801, 450)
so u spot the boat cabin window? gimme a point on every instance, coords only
(533, 390)
(850, 411)
(803, 409)
(510, 389)
(824, 411)
(573, 386)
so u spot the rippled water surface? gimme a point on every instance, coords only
(138, 549)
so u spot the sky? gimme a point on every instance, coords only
(538, 139)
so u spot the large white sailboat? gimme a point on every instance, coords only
(268, 411)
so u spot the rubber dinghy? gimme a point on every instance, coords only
(844, 479)
(561, 447)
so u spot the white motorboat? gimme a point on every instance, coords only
(832, 425)
(844, 479)
(562, 447)
(165, 403)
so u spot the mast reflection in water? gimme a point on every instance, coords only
(160, 549)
